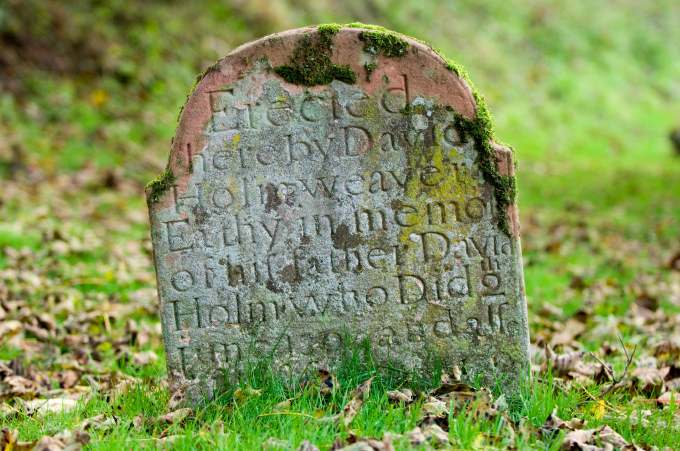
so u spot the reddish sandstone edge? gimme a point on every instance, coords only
(505, 164)
(427, 73)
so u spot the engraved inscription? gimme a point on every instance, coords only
(312, 220)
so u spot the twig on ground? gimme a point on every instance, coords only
(629, 359)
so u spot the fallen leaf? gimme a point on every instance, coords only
(138, 421)
(667, 351)
(243, 394)
(64, 441)
(436, 435)
(435, 407)
(402, 396)
(48, 443)
(572, 366)
(416, 436)
(648, 380)
(599, 409)
(567, 333)
(578, 439)
(327, 382)
(8, 439)
(367, 444)
(554, 423)
(358, 396)
(175, 417)
(177, 398)
(276, 443)
(45, 406)
(144, 358)
(669, 398)
(610, 436)
(9, 328)
(68, 378)
(306, 445)
(453, 376)
(98, 422)
(592, 439)
(674, 263)
(18, 386)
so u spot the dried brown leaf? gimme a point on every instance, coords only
(435, 407)
(554, 423)
(416, 436)
(66, 440)
(18, 386)
(649, 381)
(435, 435)
(243, 394)
(45, 406)
(328, 383)
(669, 398)
(9, 329)
(567, 333)
(175, 417)
(144, 358)
(674, 262)
(608, 435)
(403, 395)
(358, 396)
(277, 443)
(667, 351)
(177, 398)
(367, 444)
(593, 439)
(98, 422)
(579, 439)
(306, 445)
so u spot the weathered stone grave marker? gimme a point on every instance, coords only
(333, 185)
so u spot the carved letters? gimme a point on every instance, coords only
(316, 217)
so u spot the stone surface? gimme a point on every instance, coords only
(297, 221)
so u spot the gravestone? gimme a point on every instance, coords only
(331, 187)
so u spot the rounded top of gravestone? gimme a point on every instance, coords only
(308, 58)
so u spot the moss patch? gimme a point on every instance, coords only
(384, 42)
(156, 187)
(480, 129)
(311, 62)
(370, 67)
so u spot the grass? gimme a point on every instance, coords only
(585, 94)
(253, 420)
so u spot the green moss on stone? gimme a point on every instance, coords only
(156, 187)
(311, 62)
(384, 42)
(367, 26)
(327, 31)
(480, 129)
(370, 67)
